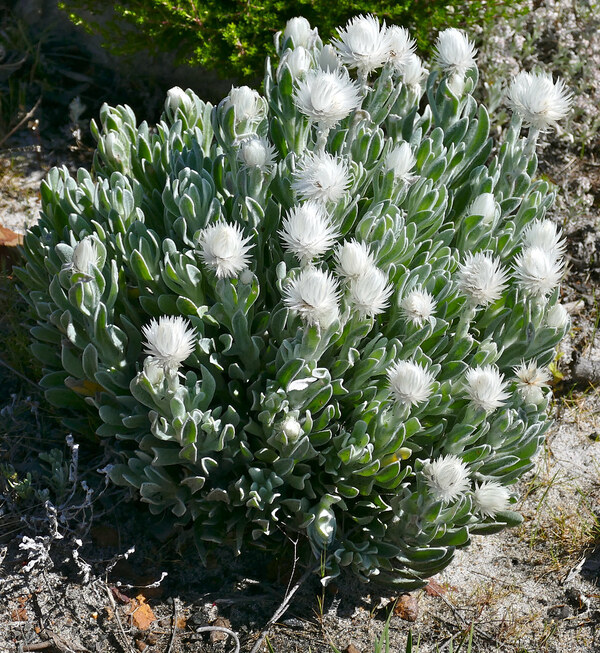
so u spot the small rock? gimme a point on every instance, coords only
(407, 608)
(559, 612)
(140, 644)
(350, 649)
(292, 622)
(217, 635)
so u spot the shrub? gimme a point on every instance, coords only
(234, 38)
(322, 311)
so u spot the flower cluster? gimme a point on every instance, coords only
(327, 311)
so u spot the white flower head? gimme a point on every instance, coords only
(400, 160)
(539, 101)
(410, 382)
(485, 387)
(363, 44)
(454, 52)
(321, 176)
(490, 498)
(531, 381)
(248, 105)
(314, 295)
(413, 72)
(328, 59)
(401, 47)
(545, 235)
(224, 249)
(447, 477)
(353, 259)
(169, 341)
(327, 97)
(538, 271)
(558, 317)
(291, 428)
(481, 278)
(302, 34)
(307, 231)
(370, 292)
(256, 152)
(485, 206)
(177, 98)
(417, 306)
(85, 254)
(299, 61)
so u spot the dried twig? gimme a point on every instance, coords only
(126, 646)
(174, 627)
(21, 122)
(17, 373)
(283, 607)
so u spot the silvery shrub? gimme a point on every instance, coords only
(323, 312)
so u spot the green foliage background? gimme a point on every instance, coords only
(233, 37)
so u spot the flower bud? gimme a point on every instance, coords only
(177, 99)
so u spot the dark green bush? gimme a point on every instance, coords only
(233, 37)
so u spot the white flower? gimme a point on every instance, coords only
(531, 380)
(545, 235)
(370, 292)
(224, 249)
(256, 152)
(298, 60)
(410, 382)
(299, 30)
(248, 105)
(291, 428)
(539, 101)
(307, 231)
(558, 317)
(353, 259)
(314, 295)
(485, 206)
(328, 59)
(169, 341)
(177, 98)
(326, 98)
(538, 271)
(454, 52)
(363, 44)
(413, 72)
(490, 498)
(85, 254)
(481, 278)
(418, 306)
(402, 47)
(485, 387)
(321, 176)
(400, 161)
(447, 477)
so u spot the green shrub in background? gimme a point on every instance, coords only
(234, 37)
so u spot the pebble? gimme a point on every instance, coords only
(217, 635)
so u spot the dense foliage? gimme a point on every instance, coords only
(234, 37)
(324, 311)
